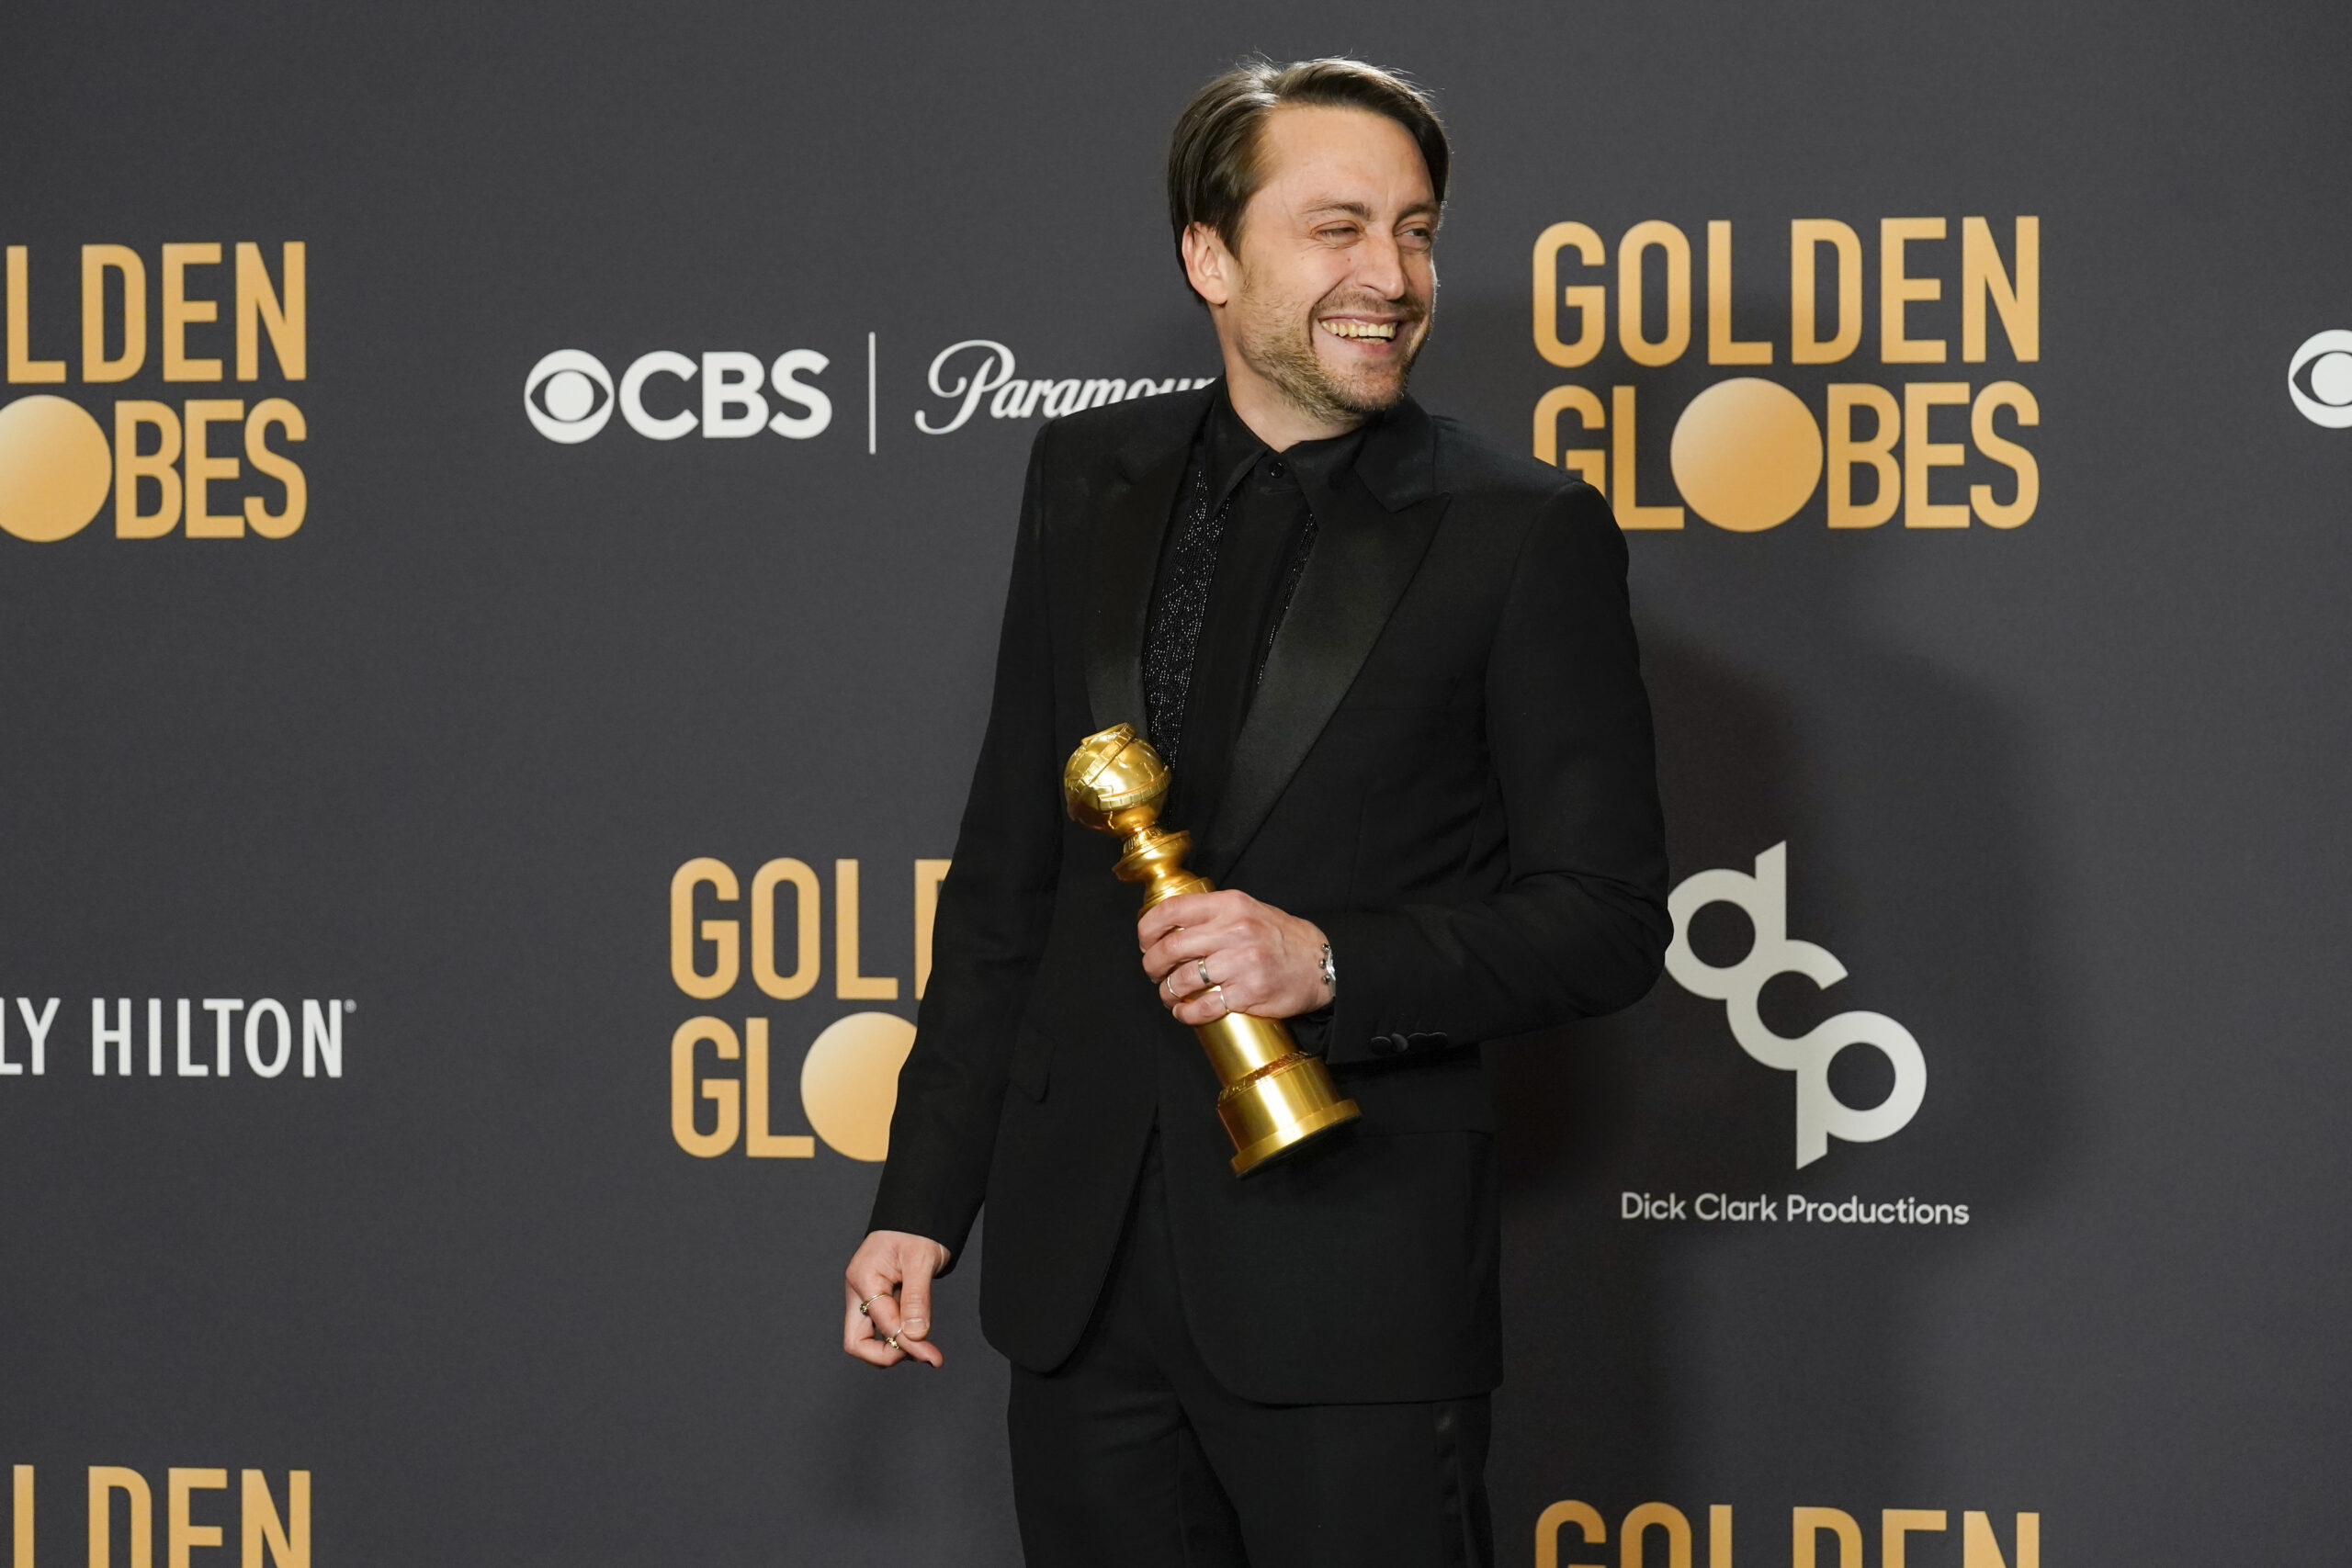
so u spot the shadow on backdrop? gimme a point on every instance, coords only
(1770, 1365)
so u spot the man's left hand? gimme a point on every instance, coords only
(1259, 959)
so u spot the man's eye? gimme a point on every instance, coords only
(1337, 231)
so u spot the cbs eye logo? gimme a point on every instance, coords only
(570, 396)
(2320, 379)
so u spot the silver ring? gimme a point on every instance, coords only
(867, 1303)
(1223, 1006)
(1201, 967)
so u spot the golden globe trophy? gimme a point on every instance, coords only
(1275, 1095)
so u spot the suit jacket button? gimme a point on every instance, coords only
(1386, 1044)
(1430, 1041)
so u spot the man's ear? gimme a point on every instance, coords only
(1208, 265)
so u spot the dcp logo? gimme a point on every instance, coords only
(2320, 379)
(1820, 1113)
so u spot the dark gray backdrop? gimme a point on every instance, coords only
(2062, 799)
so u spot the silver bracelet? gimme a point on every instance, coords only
(1331, 973)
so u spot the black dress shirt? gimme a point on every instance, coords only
(1244, 527)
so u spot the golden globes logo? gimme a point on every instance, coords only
(1748, 452)
(164, 464)
(1570, 1534)
(121, 1507)
(769, 928)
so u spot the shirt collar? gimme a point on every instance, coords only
(1230, 449)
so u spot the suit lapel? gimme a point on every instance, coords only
(1364, 556)
(1123, 557)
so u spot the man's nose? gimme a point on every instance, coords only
(1380, 267)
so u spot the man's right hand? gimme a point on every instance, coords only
(890, 1278)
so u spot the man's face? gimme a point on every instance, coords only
(1334, 285)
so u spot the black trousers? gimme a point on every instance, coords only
(1131, 1453)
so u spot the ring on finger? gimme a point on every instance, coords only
(1201, 967)
(892, 1341)
(867, 1303)
(1223, 1006)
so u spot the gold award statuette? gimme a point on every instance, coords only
(1275, 1095)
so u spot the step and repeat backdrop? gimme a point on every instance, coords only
(503, 511)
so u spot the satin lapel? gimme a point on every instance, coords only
(1363, 560)
(1123, 557)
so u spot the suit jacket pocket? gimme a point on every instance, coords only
(1032, 1059)
(1443, 1092)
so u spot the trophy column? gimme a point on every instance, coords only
(1275, 1097)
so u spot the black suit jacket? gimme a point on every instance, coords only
(1448, 766)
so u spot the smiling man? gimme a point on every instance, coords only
(1393, 670)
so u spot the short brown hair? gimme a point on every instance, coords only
(1214, 163)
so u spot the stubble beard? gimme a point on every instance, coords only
(1280, 346)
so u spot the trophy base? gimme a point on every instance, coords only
(1280, 1106)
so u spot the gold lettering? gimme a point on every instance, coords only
(288, 1540)
(1846, 452)
(1807, 1524)
(1654, 1516)
(848, 984)
(105, 1481)
(97, 261)
(1588, 300)
(758, 1142)
(277, 466)
(1665, 237)
(1549, 1524)
(721, 934)
(1722, 347)
(259, 305)
(1980, 1547)
(1919, 454)
(1897, 291)
(803, 978)
(1897, 1523)
(725, 1093)
(180, 312)
(130, 466)
(1589, 462)
(22, 365)
(1631, 514)
(180, 1533)
(2005, 395)
(1806, 236)
(203, 468)
(2020, 302)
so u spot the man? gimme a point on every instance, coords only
(1392, 671)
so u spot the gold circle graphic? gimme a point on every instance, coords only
(1747, 454)
(849, 1083)
(54, 469)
